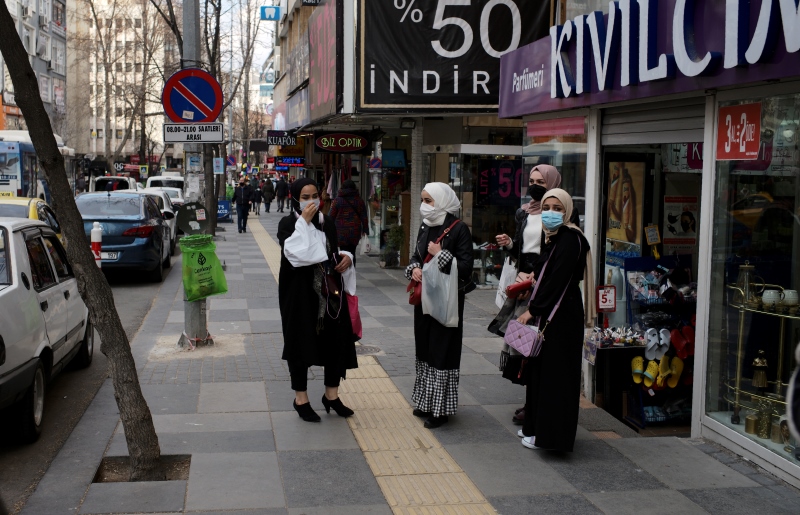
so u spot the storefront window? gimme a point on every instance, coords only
(756, 273)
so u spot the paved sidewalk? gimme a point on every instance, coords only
(230, 408)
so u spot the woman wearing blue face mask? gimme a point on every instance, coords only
(554, 376)
(314, 313)
(438, 348)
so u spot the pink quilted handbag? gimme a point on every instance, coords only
(525, 339)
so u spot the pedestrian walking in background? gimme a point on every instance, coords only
(438, 348)
(554, 376)
(268, 191)
(524, 252)
(257, 197)
(349, 213)
(281, 192)
(315, 317)
(242, 196)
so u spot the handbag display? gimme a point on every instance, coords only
(517, 289)
(528, 339)
(414, 288)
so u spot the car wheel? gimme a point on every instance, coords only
(32, 407)
(172, 245)
(84, 357)
(157, 274)
(167, 261)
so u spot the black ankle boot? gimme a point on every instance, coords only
(338, 407)
(434, 422)
(421, 414)
(305, 412)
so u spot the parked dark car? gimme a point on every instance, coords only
(135, 234)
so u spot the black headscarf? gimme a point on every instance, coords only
(296, 188)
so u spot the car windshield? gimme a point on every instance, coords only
(173, 193)
(13, 211)
(166, 183)
(159, 201)
(108, 205)
(111, 184)
(4, 257)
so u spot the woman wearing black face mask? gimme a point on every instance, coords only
(314, 313)
(524, 250)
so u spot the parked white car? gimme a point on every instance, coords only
(114, 182)
(44, 323)
(175, 196)
(165, 181)
(168, 211)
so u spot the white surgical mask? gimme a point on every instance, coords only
(426, 210)
(304, 203)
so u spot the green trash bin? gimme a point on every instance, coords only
(203, 275)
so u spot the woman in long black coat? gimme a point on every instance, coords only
(438, 348)
(554, 377)
(316, 324)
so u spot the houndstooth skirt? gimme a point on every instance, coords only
(435, 391)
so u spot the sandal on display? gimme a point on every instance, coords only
(663, 371)
(651, 335)
(663, 343)
(650, 374)
(677, 370)
(637, 365)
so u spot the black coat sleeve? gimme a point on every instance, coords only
(521, 219)
(459, 245)
(565, 255)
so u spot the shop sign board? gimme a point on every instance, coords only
(281, 138)
(283, 164)
(646, 49)
(219, 166)
(297, 114)
(298, 57)
(499, 182)
(311, 2)
(193, 133)
(341, 143)
(325, 60)
(223, 210)
(739, 132)
(270, 13)
(443, 54)
(192, 95)
(298, 150)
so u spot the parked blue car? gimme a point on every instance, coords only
(135, 234)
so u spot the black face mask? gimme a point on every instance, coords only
(536, 192)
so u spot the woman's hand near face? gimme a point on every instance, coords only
(434, 248)
(503, 240)
(344, 263)
(417, 275)
(309, 212)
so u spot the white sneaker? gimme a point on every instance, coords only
(519, 433)
(529, 442)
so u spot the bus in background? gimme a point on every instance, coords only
(20, 173)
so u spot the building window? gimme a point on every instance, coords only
(100, 133)
(59, 14)
(138, 67)
(27, 39)
(137, 23)
(138, 134)
(118, 111)
(59, 95)
(43, 46)
(44, 87)
(109, 23)
(44, 12)
(128, 67)
(91, 112)
(119, 67)
(129, 46)
(128, 112)
(59, 57)
(128, 23)
(119, 133)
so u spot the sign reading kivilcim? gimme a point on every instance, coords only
(341, 143)
(440, 54)
(647, 49)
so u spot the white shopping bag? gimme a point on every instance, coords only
(364, 246)
(507, 278)
(440, 293)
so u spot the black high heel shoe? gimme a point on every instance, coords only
(338, 407)
(305, 412)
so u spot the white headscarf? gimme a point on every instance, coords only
(444, 201)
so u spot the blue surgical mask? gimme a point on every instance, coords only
(552, 220)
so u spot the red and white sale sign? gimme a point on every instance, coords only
(739, 132)
(606, 299)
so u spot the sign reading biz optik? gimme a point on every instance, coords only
(427, 54)
(646, 48)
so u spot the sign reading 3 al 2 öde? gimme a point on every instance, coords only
(440, 54)
(649, 48)
(342, 143)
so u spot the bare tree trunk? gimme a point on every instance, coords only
(140, 434)
(211, 199)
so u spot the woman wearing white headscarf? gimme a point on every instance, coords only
(438, 348)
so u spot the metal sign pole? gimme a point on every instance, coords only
(194, 318)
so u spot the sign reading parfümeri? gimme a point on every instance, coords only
(341, 142)
(193, 133)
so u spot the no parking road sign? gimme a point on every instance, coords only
(192, 95)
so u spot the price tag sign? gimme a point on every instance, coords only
(739, 132)
(606, 298)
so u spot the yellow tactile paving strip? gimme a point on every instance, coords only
(416, 474)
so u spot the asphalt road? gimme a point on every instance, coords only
(68, 396)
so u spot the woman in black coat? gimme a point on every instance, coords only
(438, 348)
(316, 321)
(554, 376)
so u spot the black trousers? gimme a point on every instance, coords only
(299, 376)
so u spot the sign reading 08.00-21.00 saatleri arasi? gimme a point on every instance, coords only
(193, 133)
(440, 54)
